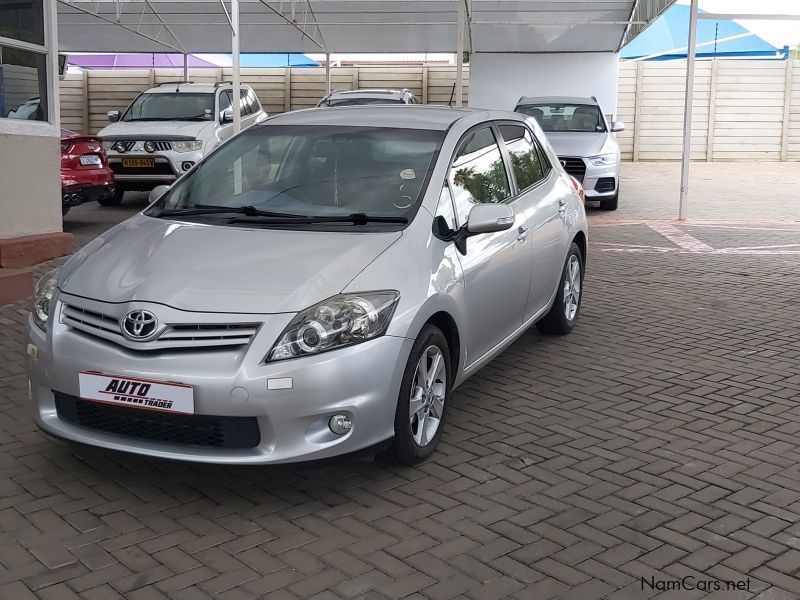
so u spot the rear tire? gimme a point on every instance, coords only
(114, 200)
(424, 396)
(610, 203)
(566, 306)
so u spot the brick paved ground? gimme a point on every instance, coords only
(658, 440)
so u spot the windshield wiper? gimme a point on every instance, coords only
(209, 209)
(354, 218)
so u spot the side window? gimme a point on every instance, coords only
(478, 175)
(224, 102)
(526, 161)
(244, 105)
(445, 208)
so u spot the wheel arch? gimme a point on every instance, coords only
(447, 325)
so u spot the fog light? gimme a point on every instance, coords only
(340, 424)
(186, 165)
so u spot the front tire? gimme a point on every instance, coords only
(564, 312)
(113, 200)
(424, 395)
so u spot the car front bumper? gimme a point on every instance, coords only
(596, 182)
(167, 167)
(360, 381)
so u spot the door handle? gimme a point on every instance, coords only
(562, 206)
(522, 233)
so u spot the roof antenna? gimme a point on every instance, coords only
(452, 93)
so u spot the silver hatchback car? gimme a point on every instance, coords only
(317, 285)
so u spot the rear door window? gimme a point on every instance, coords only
(526, 161)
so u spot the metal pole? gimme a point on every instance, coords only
(237, 84)
(687, 112)
(327, 73)
(53, 79)
(460, 55)
(185, 67)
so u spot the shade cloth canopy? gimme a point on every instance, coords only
(352, 25)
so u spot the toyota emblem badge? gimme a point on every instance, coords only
(139, 324)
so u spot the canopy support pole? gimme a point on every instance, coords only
(185, 67)
(327, 73)
(460, 55)
(237, 84)
(687, 113)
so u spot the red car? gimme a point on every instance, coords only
(85, 175)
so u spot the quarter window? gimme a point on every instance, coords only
(478, 174)
(526, 161)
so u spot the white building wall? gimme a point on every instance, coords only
(498, 80)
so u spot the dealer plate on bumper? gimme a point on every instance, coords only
(136, 393)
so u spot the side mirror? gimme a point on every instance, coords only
(488, 218)
(483, 218)
(113, 116)
(617, 126)
(157, 192)
(227, 116)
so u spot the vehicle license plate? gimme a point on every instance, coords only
(136, 393)
(138, 162)
(90, 159)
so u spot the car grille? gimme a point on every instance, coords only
(187, 430)
(574, 166)
(176, 335)
(160, 145)
(604, 184)
(159, 168)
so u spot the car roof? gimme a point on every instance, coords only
(406, 116)
(556, 100)
(170, 87)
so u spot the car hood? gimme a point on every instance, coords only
(577, 144)
(207, 268)
(154, 129)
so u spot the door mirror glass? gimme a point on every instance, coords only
(487, 218)
(113, 116)
(617, 126)
(157, 192)
(227, 116)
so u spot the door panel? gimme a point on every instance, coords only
(549, 241)
(540, 195)
(497, 266)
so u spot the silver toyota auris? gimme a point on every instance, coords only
(316, 286)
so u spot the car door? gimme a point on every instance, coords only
(540, 190)
(497, 266)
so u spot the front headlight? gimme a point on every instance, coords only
(43, 296)
(187, 146)
(337, 322)
(604, 160)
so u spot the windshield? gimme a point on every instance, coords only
(361, 101)
(306, 171)
(175, 106)
(566, 117)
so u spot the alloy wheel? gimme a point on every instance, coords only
(426, 405)
(572, 287)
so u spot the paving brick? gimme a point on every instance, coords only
(660, 437)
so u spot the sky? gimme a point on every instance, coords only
(777, 33)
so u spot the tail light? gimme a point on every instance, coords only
(578, 188)
(65, 145)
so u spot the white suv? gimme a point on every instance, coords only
(168, 128)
